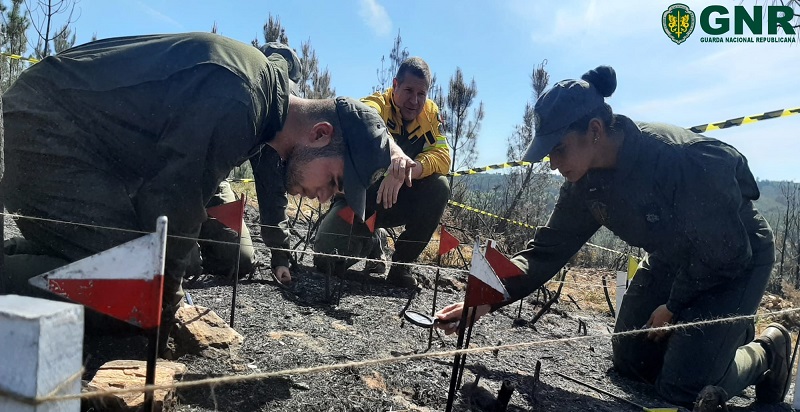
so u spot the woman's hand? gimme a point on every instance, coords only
(282, 274)
(660, 317)
(450, 316)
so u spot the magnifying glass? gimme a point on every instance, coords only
(424, 321)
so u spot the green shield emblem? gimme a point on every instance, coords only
(678, 22)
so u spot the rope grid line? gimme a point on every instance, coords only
(222, 242)
(384, 361)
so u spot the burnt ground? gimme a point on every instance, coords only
(298, 327)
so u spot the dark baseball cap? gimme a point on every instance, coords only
(366, 155)
(565, 103)
(294, 65)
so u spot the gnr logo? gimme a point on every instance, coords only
(678, 22)
(777, 16)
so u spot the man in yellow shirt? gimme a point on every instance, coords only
(414, 122)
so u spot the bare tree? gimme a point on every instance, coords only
(384, 77)
(525, 199)
(386, 74)
(460, 126)
(788, 234)
(42, 15)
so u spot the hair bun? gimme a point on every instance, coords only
(603, 78)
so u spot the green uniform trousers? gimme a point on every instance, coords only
(419, 208)
(219, 246)
(720, 354)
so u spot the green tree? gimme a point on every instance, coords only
(64, 40)
(315, 83)
(273, 31)
(15, 41)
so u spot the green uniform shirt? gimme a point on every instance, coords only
(169, 115)
(684, 198)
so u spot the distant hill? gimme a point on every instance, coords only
(771, 204)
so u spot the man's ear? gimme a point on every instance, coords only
(321, 135)
(395, 83)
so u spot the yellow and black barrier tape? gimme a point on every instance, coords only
(697, 129)
(498, 166)
(516, 222)
(516, 163)
(18, 57)
(483, 212)
(744, 120)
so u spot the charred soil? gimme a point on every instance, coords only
(302, 326)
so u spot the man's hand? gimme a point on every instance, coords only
(450, 316)
(282, 275)
(660, 317)
(401, 165)
(387, 192)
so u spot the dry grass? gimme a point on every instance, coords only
(450, 259)
(248, 188)
(374, 381)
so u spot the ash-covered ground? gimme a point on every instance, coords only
(300, 327)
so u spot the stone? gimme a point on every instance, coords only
(200, 331)
(127, 374)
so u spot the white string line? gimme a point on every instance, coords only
(409, 241)
(403, 358)
(310, 252)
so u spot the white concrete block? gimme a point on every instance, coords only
(622, 287)
(41, 344)
(796, 396)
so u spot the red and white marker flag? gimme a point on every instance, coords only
(370, 222)
(124, 282)
(502, 265)
(230, 214)
(447, 242)
(483, 285)
(348, 215)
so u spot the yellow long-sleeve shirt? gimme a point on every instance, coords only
(421, 139)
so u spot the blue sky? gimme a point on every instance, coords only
(497, 43)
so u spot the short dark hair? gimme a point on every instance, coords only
(415, 66)
(324, 110)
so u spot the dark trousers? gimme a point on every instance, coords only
(96, 209)
(720, 354)
(220, 246)
(419, 208)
